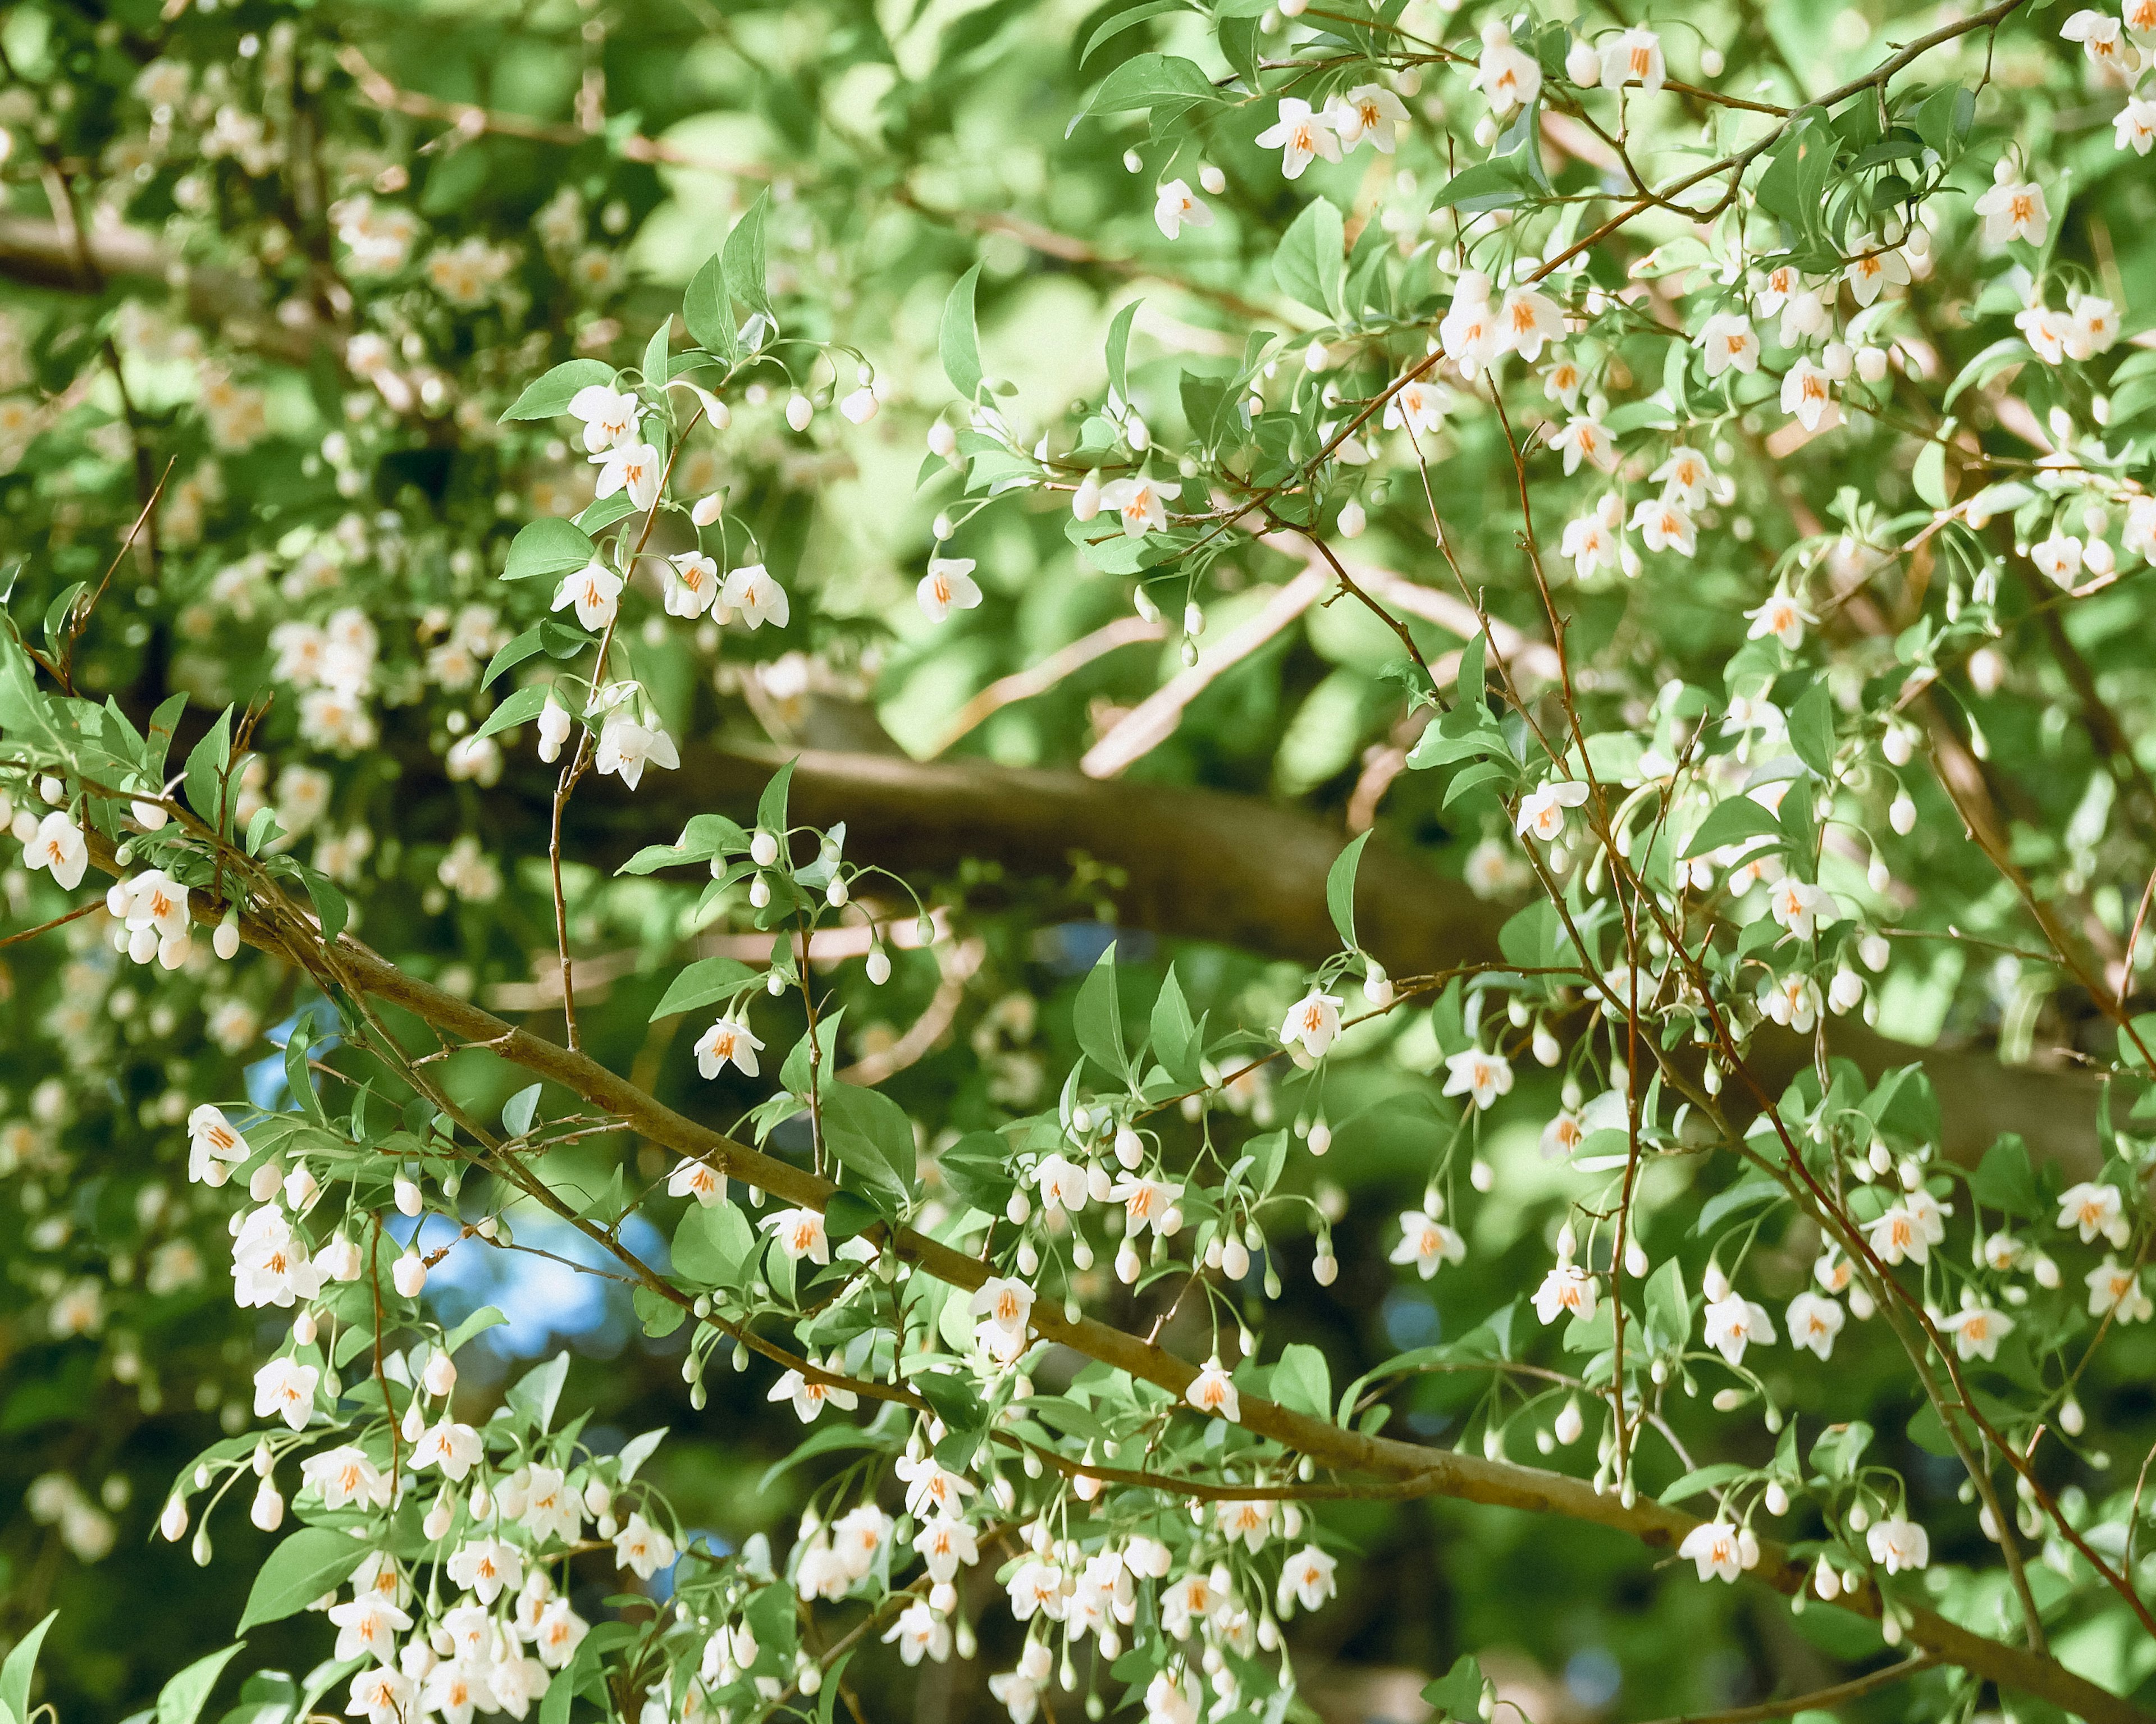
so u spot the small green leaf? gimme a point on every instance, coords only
(208, 763)
(180, 1701)
(1340, 888)
(522, 706)
(516, 1112)
(1811, 729)
(870, 1134)
(743, 259)
(15, 1673)
(1311, 262)
(1174, 1035)
(706, 980)
(313, 1561)
(706, 309)
(1098, 1018)
(550, 396)
(1119, 349)
(549, 546)
(771, 806)
(959, 338)
(1732, 821)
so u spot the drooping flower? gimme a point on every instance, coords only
(1177, 207)
(1368, 113)
(1142, 503)
(728, 1041)
(1815, 1321)
(1483, 1076)
(1427, 1242)
(800, 1233)
(1977, 1331)
(1634, 56)
(1314, 1021)
(595, 590)
(1734, 1322)
(642, 1548)
(760, 599)
(697, 1179)
(284, 1388)
(2014, 209)
(1211, 1392)
(1897, 1544)
(1566, 1288)
(1508, 76)
(1722, 1552)
(611, 416)
(1727, 341)
(630, 467)
(949, 586)
(692, 584)
(60, 845)
(1301, 136)
(1541, 811)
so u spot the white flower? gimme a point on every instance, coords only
(930, 1484)
(701, 1180)
(1664, 526)
(1815, 1321)
(1507, 77)
(1801, 908)
(1541, 811)
(1314, 1021)
(800, 1233)
(284, 1388)
(2102, 39)
(1592, 543)
(1897, 1544)
(2046, 329)
(344, 1474)
(632, 467)
(269, 1264)
(945, 1544)
(860, 407)
(642, 1547)
(2134, 127)
(1873, 269)
(611, 416)
(1808, 395)
(454, 1447)
(1301, 136)
(729, 1041)
(211, 1143)
(1470, 332)
(1142, 503)
(516, 1682)
(627, 746)
(1146, 1203)
(1727, 340)
(2095, 327)
(1036, 1586)
(1527, 320)
(1635, 57)
(1721, 1550)
(1211, 1392)
(1901, 1233)
(2116, 1290)
(1369, 113)
(487, 1566)
(1307, 1577)
(551, 1510)
(859, 1537)
(1683, 478)
(1583, 439)
(456, 1690)
(1978, 1330)
(919, 1633)
(1427, 1242)
(1483, 1076)
(1566, 1288)
(1782, 618)
(557, 1634)
(58, 844)
(759, 598)
(1003, 1304)
(809, 1397)
(1418, 405)
(1061, 1183)
(692, 584)
(2059, 557)
(2092, 1208)
(1733, 1323)
(595, 590)
(2014, 209)
(1168, 1700)
(1176, 206)
(949, 586)
(367, 1626)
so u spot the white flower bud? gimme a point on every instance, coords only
(1582, 65)
(267, 1511)
(943, 440)
(225, 942)
(410, 1200)
(1194, 619)
(860, 407)
(1352, 519)
(1898, 745)
(1085, 500)
(1325, 1268)
(707, 509)
(1569, 1423)
(441, 1376)
(1212, 179)
(173, 1523)
(1872, 363)
(439, 1518)
(1777, 1499)
(799, 411)
(305, 1328)
(879, 966)
(1902, 814)
(409, 1273)
(263, 1183)
(1321, 1137)
(763, 848)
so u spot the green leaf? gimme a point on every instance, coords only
(1703, 1478)
(1794, 185)
(1811, 729)
(1302, 1381)
(15, 1673)
(539, 1391)
(521, 707)
(1456, 1697)
(486, 1317)
(659, 1316)
(1148, 81)
(549, 546)
(847, 1214)
(711, 1245)
(1668, 1312)
(959, 338)
(549, 396)
(1175, 1042)
(1929, 475)
(180, 1700)
(771, 805)
(332, 909)
(743, 260)
(208, 763)
(707, 311)
(1311, 262)
(313, 1561)
(705, 981)
(516, 1112)
(1839, 1449)
(1732, 821)
(1098, 1018)
(654, 367)
(1119, 349)
(1340, 888)
(870, 1133)
(1118, 22)
(978, 1168)
(2004, 1180)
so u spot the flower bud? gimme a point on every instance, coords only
(1582, 65)
(267, 1511)
(763, 848)
(1085, 500)
(879, 965)
(441, 1376)
(439, 1518)
(1902, 814)
(173, 1523)
(409, 1199)
(1569, 1423)
(409, 1273)
(2071, 1420)
(1212, 179)
(799, 411)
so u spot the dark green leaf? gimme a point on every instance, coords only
(313, 1561)
(549, 546)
